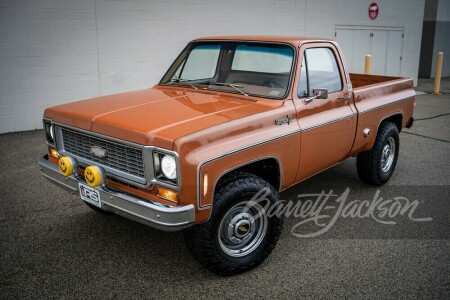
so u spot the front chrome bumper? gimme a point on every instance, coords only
(143, 211)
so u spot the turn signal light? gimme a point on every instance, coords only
(167, 194)
(205, 184)
(53, 152)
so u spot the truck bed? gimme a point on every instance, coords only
(377, 98)
(361, 80)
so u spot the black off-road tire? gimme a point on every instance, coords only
(370, 164)
(203, 240)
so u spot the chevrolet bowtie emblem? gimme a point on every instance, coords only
(98, 151)
(282, 121)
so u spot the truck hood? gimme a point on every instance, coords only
(157, 116)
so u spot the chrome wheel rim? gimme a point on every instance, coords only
(242, 229)
(387, 155)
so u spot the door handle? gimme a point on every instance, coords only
(344, 98)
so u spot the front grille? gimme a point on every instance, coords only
(118, 156)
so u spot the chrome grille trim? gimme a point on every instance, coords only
(147, 158)
(122, 159)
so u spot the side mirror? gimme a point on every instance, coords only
(318, 94)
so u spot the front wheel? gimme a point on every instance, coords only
(377, 165)
(240, 233)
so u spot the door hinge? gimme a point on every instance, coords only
(371, 34)
(401, 57)
(335, 34)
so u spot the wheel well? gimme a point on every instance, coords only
(267, 169)
(397, 119)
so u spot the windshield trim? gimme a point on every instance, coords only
(291, 73)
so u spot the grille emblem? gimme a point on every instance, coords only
(98, 151)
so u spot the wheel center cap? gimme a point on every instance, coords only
(242, 228)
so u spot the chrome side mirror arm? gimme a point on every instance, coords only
(318, 94)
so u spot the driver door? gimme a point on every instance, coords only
(328, 125)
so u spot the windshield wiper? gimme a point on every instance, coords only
(179, 80)
(234, 86)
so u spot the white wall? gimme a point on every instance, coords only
(324, 15)
(57, 51)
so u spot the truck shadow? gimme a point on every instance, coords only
(118, 241)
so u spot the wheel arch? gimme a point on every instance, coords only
(267, 168)
(396, 118)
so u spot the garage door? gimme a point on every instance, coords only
(383, 43)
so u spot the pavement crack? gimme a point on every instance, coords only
(424, 136)
(433, 117)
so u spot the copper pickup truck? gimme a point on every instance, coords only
(233, 118)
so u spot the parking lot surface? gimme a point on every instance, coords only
(54, 246)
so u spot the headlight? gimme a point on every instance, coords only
(169, 167)
(49, 134)
(165, 167)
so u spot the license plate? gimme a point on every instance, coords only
(90, 195)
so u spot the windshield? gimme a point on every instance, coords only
(246, 68)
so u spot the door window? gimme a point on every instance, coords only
(319, 70)
(303, 85)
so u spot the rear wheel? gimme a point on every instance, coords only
(239, 234)
(377, 165)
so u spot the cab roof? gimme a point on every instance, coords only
(293, 40)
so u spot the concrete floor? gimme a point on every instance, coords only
(427, 85)
(54, 246)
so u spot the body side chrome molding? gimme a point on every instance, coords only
(378, 127)
(202, 207)
(329, 122)
(384, 105)
(199, 206)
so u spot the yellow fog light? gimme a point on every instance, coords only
(67, 165)
(93, 176)
(167, 194)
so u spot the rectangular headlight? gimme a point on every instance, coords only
(49, 132)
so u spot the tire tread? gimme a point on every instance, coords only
(198, 238)
(368, 164)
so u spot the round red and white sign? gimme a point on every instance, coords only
(373, 10)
